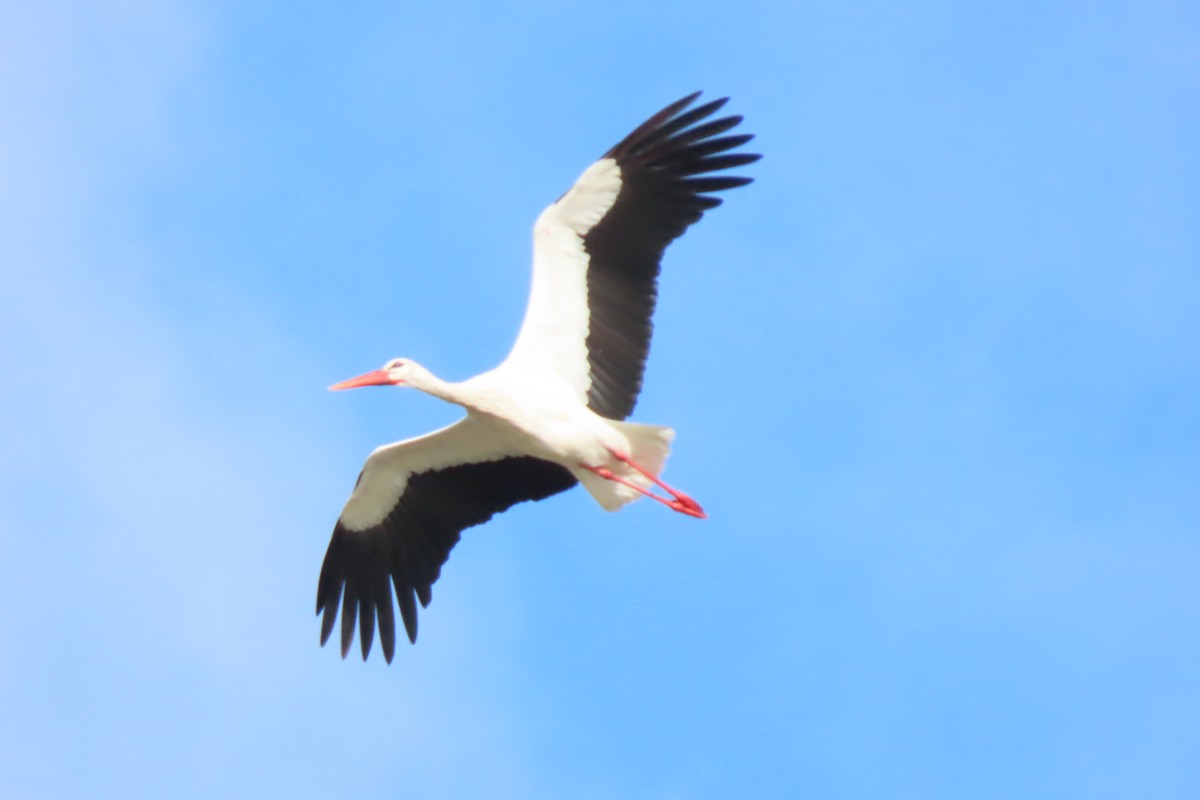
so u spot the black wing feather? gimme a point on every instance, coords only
(408, 548)
(665, 187)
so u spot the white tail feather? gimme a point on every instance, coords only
(648, 446)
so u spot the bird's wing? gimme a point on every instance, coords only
(410, 504)
(596, 251)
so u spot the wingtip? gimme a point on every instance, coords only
(349, 617)
(327, 621)
(410, 628)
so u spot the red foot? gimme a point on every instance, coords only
(686, 505)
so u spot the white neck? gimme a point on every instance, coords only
(425, 381)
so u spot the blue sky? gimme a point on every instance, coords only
(935, 376)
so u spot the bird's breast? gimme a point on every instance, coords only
(537, 425)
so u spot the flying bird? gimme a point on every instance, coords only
(552, 413)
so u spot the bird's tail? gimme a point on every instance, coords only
(649, 446)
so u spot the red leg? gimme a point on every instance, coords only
(680, 497)
(681, 502)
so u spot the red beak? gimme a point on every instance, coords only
(376, 377)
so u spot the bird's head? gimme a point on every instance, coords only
(396, 372)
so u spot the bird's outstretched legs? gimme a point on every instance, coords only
(679, 501)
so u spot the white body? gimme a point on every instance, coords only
(550, 423)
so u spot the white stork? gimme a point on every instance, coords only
(551, 414)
